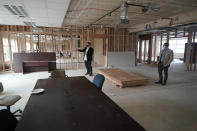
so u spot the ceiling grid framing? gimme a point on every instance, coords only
(48, 13)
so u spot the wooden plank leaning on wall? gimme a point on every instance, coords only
(10, 50)
(155, 47)
(192, 51)
(71, 46)
(2, 52)
(196, 52)
(82, 43)
(150, 49)
(31, 42)
(25, 40)
(188, 52)
(161, 42)
(135, 43)
(140, 51)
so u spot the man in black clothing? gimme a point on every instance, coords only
(88, 53)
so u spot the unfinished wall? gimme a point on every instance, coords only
(66, 40)
(120, 40)
(121, 59)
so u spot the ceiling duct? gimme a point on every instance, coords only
(19, 11)
(124, 14)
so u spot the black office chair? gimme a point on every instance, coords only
(7, 120)
(98, 81)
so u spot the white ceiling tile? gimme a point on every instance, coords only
(41, 20)
(40, 12)
(56, 6)
(55, 19)
(15, 2)
(54, 13)
(42, 24)
(35, 4)
(59, 1)
(43, 12)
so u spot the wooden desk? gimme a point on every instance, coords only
(73, 104)
(30, 62)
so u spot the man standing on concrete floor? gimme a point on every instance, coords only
(89, 51)
(165, 60)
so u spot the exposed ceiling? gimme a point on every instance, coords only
(57, 13)
(85, 12)
(48, 13)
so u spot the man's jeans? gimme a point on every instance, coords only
(161, 68)
(88, 65)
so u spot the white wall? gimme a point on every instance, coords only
(121, 59)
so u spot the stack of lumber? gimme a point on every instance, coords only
(122, 78)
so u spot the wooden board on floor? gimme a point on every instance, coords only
(122, 78)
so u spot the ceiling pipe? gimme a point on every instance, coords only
(144, 10)
(109, 13)
(137, 5)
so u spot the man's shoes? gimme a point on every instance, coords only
(90, 74)
(164, 83)
(86, 73)
(158, 82)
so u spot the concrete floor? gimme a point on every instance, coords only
(157, 108)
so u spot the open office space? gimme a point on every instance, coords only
(98, 65)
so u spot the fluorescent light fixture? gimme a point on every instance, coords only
(17, 10)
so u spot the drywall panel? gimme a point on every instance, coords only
(99, 57)
(121, 59)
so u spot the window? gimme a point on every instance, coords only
(27, 46)
(6, 50)
(14, 46)
(178, 44)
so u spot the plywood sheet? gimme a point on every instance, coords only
(122, 78)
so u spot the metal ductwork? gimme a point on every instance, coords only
(124, 14)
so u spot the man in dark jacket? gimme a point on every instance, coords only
(88, 53)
